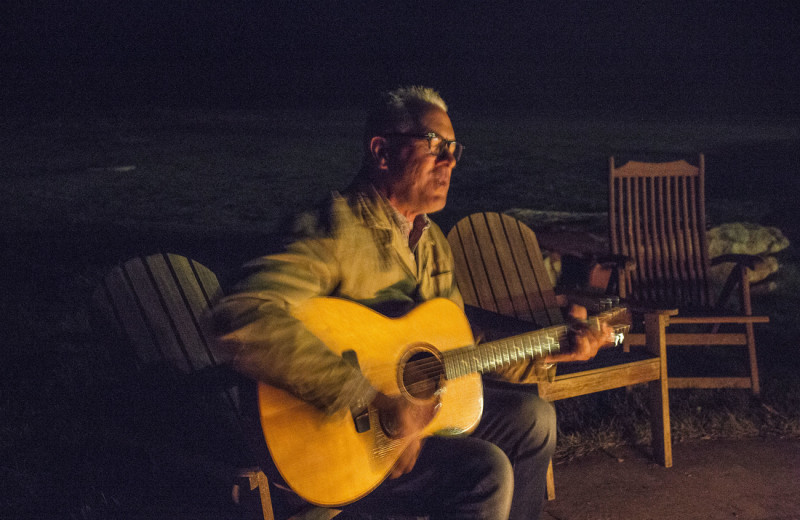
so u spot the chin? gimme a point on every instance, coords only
(437, 205)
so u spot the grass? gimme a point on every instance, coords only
(213, 185)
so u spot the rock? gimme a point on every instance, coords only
(749, 239)
(745, 238)
(719, 273)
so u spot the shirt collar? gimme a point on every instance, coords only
(412, 231)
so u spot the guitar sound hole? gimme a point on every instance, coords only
(422, 375)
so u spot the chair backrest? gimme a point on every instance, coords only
(657, 218)
(160, 303)
(499, 268)
(158, 307)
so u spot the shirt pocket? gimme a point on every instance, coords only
(437, 284)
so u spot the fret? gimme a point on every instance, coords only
(476, 359)
(456, 363)
(466, 365)
(528, 346)
(493, 352)
(462, 363)
(532, 347)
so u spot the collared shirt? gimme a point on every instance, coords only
(412, 231)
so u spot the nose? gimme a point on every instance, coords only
(447, 156)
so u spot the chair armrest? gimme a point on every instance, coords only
(748, 261)
(647, 308)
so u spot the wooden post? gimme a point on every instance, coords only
(655, 324)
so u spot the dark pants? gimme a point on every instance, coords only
(502, 465)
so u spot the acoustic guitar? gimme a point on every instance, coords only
(427, 354)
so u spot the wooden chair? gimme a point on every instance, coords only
(499, 268)
(657, 218)
(159, 306)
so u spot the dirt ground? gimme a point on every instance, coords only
(741, 480)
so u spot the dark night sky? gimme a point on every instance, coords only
(646, 55)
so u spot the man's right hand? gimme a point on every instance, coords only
(401, 418)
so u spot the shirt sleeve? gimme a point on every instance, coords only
(254, 323)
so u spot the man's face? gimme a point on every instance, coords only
(418, 180)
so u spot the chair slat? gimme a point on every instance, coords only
(149, 297)
(652, 237)
(475, 274)
(537, 286)
(509, 271)
(684, 275)
(491, 264)
(196, 290)
(466, 282)
(128, 312)
(647, 243)
(206, 279)
(178, 312)
(667, 259)
(688, 255)
(630, 249)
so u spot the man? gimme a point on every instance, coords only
(375, 245)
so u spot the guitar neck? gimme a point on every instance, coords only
(492, 355)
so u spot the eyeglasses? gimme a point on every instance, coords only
(437, 145)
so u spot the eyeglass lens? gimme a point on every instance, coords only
(440, 147)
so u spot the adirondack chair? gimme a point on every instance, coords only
(158, 305)
(657, 217)
(499, 268)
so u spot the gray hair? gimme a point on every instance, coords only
(399, 110)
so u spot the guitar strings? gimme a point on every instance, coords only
(502, 353)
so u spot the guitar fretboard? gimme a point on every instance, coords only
(490, 356)
(486, 357)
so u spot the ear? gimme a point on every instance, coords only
(379, 149)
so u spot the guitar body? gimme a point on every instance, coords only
(323, 458)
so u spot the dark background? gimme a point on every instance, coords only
(661, 57)
(68, 215)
